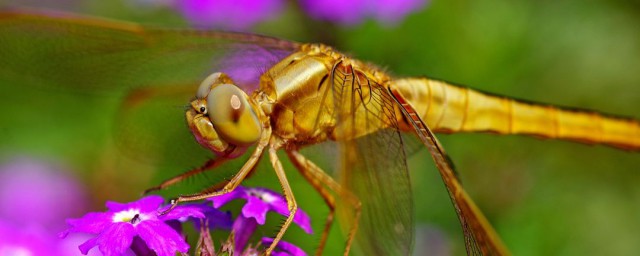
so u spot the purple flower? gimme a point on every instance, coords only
(228, 14)
(116, 228)
(29, 188)
(349, 12)
(284, 248)
(254, 212)
(243, 228)
(353, 12)
(215, 219)
(259, 202)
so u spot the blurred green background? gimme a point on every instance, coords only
(544, 197)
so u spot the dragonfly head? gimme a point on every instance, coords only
(222, 117)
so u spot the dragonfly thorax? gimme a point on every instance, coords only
(222, 117)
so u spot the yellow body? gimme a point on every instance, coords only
(304, 109)
(449, 108)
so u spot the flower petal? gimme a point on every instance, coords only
(221, 200)
(280, 207)
(275, 201)
(183, 211)
(93, 223)
(116, 239)
(140, 248)
(267, 195)
(255, 208)
(286, 247)
(243, 228)
(161, 238)
(86, 246)
(215, 218)
(145, 204)
(303, 220)
(115, 206)
(148, 203)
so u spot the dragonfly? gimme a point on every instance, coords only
(257, 95)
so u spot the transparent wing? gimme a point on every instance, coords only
(479, 236)
(155, 71)
(373, 164)
(90, 54)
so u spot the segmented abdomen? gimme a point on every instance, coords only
(448, 108)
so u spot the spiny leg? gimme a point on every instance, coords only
(220, 185)
(317, 184)
(235, 181)
(288, 195)
(315, 175)
(210, 164)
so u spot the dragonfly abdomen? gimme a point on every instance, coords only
(448, 108)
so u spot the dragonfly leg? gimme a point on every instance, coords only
(235, 181)
(308, 171)
(288, 195)
(210, 164)
(318, 179)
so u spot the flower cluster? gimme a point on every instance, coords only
(139, 227)
(228, 14)
(29, 222)
(352, 12)
(254, 212)
(242, 14)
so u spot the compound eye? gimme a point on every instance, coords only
(232, 116)
(211, 81)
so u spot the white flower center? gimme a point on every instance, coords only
(266, 197)
(132, 216)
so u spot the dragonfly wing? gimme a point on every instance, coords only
(373, 166)
(480, 238)
(155, 71)
(90, 54)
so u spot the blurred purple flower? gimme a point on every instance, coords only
(254, 212)
(69, 245)
(32, 239)
(228, 14)
(116, 228)
(24, 240)
(353, 12)
(29, 188)
(284, 248)
(347, 12)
